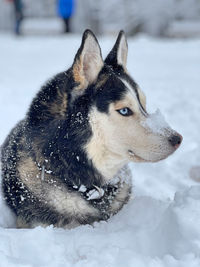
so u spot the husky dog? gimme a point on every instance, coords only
(64, 163)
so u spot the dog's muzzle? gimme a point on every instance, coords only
(175, 140)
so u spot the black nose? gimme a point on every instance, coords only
(175, 140)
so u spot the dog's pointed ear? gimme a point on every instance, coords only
(88, 61)
(118, 55)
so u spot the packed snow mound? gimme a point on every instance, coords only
(7, 218)
(146, 232)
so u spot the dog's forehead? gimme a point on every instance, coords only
(113, 86)
(131, 90)
(115, 78)
(109, 84)
(134, 93)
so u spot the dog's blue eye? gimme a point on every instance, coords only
(125, 111)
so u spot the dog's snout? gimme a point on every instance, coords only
(175, 140)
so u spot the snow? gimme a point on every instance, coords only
(156, 122)
(95, 194)
(159, 227)
(195, 173)
(82, 188)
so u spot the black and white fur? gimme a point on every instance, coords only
(65, 163)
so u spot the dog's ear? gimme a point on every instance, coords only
(88, 61)
(118, 55)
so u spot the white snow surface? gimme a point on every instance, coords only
(160, 226)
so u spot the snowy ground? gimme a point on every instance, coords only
(160, 226)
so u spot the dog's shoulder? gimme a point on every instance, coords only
(52, 100)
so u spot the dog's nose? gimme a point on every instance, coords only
(175, 140)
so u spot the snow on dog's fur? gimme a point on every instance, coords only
(65, 163)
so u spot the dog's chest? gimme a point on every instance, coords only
(107, 200)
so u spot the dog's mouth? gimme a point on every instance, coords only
(135, 157)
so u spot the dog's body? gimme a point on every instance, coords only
(64, 163)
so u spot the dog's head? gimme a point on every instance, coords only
(122, 130)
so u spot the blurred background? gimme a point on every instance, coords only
(167, 18)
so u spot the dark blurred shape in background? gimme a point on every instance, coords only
(18, 14)
(169, 18)
(65, 11)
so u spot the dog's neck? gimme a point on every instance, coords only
(77, 169)
(99, 150)
(88, 164)
(106, 162)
